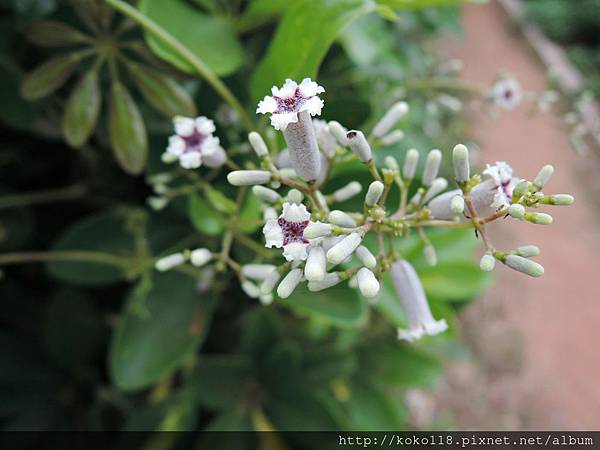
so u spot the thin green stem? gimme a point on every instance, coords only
(48, 196)
(198, 65)
(71, 256)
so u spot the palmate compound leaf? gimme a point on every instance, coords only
(82, 110)
(48, 77)
(127, 131)
(210, 38)
(305, 33)
(150, 345)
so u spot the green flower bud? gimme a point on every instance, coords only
(538, 218)
(558, 200)
(487, 262)
(521, 189)
(432, 165)
(374, 193)
(410, 164)
(457, 204)
(295, 196)
(460, 160)
(543, 176)
(516, 211)
(258, 144)
(527, 251)
(524, 265)
(391, 163)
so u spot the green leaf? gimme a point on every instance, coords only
(338, 305)
(83, 108)
(250, 217)
(127, 131)
(147, 347)
(204, 218)
(371, 408)
(399, 365)
(305, 33)
(218, 200)
(48, 77)
(417, 4)
(458, 281)
(211, 38)
(51, 33)
(162, 92)
(104, 232)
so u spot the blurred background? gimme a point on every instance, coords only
(77, 352)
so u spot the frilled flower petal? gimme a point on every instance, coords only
(204, 125)
(293, 212)
(287, 90)
(295, 251)
(184, 126)
(176, 145)
(273, 234)
(266, 105)
(190, 160)
(281, 121)
(309, 88)
(215, 158)
(313, 105)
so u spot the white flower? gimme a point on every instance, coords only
(502, 175)
(413, 299)
(194, 144)
(507, 93)
(286, 102)
(287, 231)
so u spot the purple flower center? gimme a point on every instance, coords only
(193, 143)
(289, 104)
(508, 94)
(506, 188)
(293, 231)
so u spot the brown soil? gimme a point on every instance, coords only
(537, 341)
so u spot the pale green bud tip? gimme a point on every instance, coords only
(460, 159)
(258, 144)
(317, 229)
(170, 261)
(528, 251)
(410, 164)
(295, 196)
(366, 257)
(391, 163)
(516, 211)
(521, 188)
(343, 249)
(432, 165)
(266, 194)
(200, 257)
(561, 199)
(539, 218)
(374, 193)
(430, 254)
(341, 219)
(457, 204)
(289, 283)
(359, 145)
(543, 176)
(524, 265)
(347, 192)
(367, 283)
(487, 262)
(248, 177)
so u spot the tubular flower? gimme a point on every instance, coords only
(287, 231)
(286, 102)
(193, 143)
(502, 176)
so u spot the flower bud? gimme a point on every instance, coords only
(266, 287)
(287, 172)
(359, 145)
(350, 190)
(304, 150)
(432, 166)
(438, 185)
(341, 219)
(258, 271)
(538, 218)
(516, 211)
(200, 257)
(543, 176)
(316, 230)
(289, 283)
(410, 164)
(266, 299)
(157, 203)
(258, 144)
(295, 196)
(339, 132)
(391, 163)
(527, 251)
(392, 138)
(316, 264)
(248, 177)
(524, 265)
(367, 283)
(266, 194)
(558, 200)
(343, 249)
(430, 255)
(168, 262)
(521, 189)
(460, 160)
(270, 214)
(366, 257)
(487, 262)
(374, 193)
(168, 158)
(390, 118)
(250, 289)
(331, 279)
(457, 204)
(440, 206)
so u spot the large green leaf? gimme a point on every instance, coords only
(457, 281)
(147, 347)
(338, 305)
(372, 408)
(307, 30)
(211, 38)
(204, 218)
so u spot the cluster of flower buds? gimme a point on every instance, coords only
(197, 258)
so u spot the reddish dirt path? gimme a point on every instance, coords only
(538, 339)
